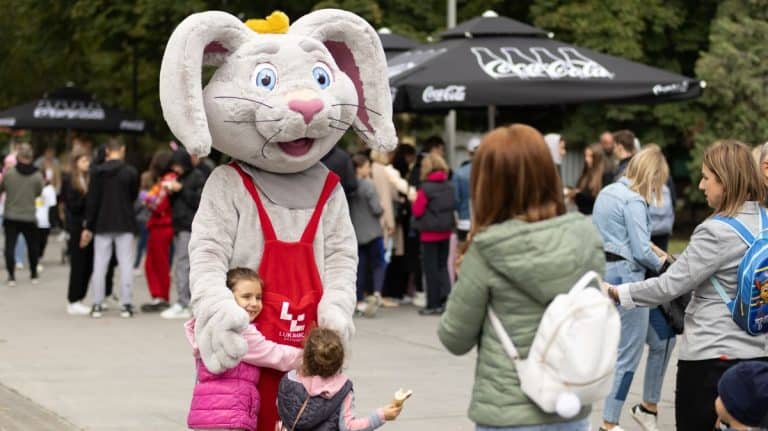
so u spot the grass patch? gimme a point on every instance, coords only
(677, 245)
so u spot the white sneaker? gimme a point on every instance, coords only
(40, 268)
(19, 265)
(420, 299)
(77, 309)
(372, 304)
(176, 311)
(645, 419)
(616, 428)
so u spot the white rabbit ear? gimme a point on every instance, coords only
(357, 50)
(202, 38)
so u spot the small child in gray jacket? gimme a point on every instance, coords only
(365, 210)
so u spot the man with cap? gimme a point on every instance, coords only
(461, 190)
(742, 402)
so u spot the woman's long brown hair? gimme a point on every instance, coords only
(513, 176)
(591, 179)
(78, 181)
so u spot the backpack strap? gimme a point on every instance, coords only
(719, 288)
(741, 230)
(506, 342)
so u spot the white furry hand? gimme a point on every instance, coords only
(333, 319)
(219, 338)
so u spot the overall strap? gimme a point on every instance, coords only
(266, 224)
(330, 183)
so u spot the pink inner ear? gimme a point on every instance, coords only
(215, 48)
(346, 63)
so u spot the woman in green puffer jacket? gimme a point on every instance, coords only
(524, 251)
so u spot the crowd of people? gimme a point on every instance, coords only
(454, 243)
(102, 205)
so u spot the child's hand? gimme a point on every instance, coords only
(391, 412)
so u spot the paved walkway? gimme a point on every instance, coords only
(137, 374)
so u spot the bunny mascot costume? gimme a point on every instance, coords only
(276, 104)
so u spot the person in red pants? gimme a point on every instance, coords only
(157, 265)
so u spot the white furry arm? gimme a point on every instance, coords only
(219, 320)
(340, 272)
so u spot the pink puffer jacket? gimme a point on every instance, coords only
(229, 400)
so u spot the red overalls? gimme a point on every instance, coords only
(291, 293)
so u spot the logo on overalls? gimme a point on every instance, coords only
(285, 315)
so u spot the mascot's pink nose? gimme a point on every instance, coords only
(307, 108)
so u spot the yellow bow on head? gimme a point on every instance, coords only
(276, 22)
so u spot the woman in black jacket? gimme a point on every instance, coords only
(73, 191)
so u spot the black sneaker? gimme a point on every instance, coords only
(431, 311)
(155, 306)
(97, 311)
(126, 311)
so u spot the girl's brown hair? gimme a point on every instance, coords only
(236, 275)
(513, 176)
(79, 181)
(323, 353)
(733, 166)
(432, 163)
(648, 172)
(591, 179)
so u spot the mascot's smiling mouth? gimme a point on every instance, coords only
(297, 147)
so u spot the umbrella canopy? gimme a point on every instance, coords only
(395, 44)
(70, 108)
(499, 61)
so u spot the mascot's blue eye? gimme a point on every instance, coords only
(322, 75)
(265, 77)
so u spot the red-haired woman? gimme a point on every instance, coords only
(524, 250)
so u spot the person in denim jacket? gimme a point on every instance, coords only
(621, 216)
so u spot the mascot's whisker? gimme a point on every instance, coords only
(243, 98)
(358, 130)
(344, 129)
(252, 121)
(264, 147)
(356, 105)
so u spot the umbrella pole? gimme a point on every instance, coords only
(491, 117)
(450, 119)
(450, 130)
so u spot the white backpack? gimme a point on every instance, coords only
(573, 356)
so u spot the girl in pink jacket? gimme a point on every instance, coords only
(230, 400)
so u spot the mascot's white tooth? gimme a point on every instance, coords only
(284, 216)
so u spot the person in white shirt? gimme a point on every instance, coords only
(43, 205)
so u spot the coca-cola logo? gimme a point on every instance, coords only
(69, 109)
(451, 93)
(539, 62)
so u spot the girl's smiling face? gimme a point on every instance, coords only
(248, 295)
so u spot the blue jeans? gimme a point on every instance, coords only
(21, 250)
(371, 264)
(577, 425)
(639, 326)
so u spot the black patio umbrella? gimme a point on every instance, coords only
(499, 61)
(70, 108)
(394, 43)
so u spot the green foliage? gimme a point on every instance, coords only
(94, 43)
(734, 67)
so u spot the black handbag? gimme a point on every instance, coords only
(674, 310)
